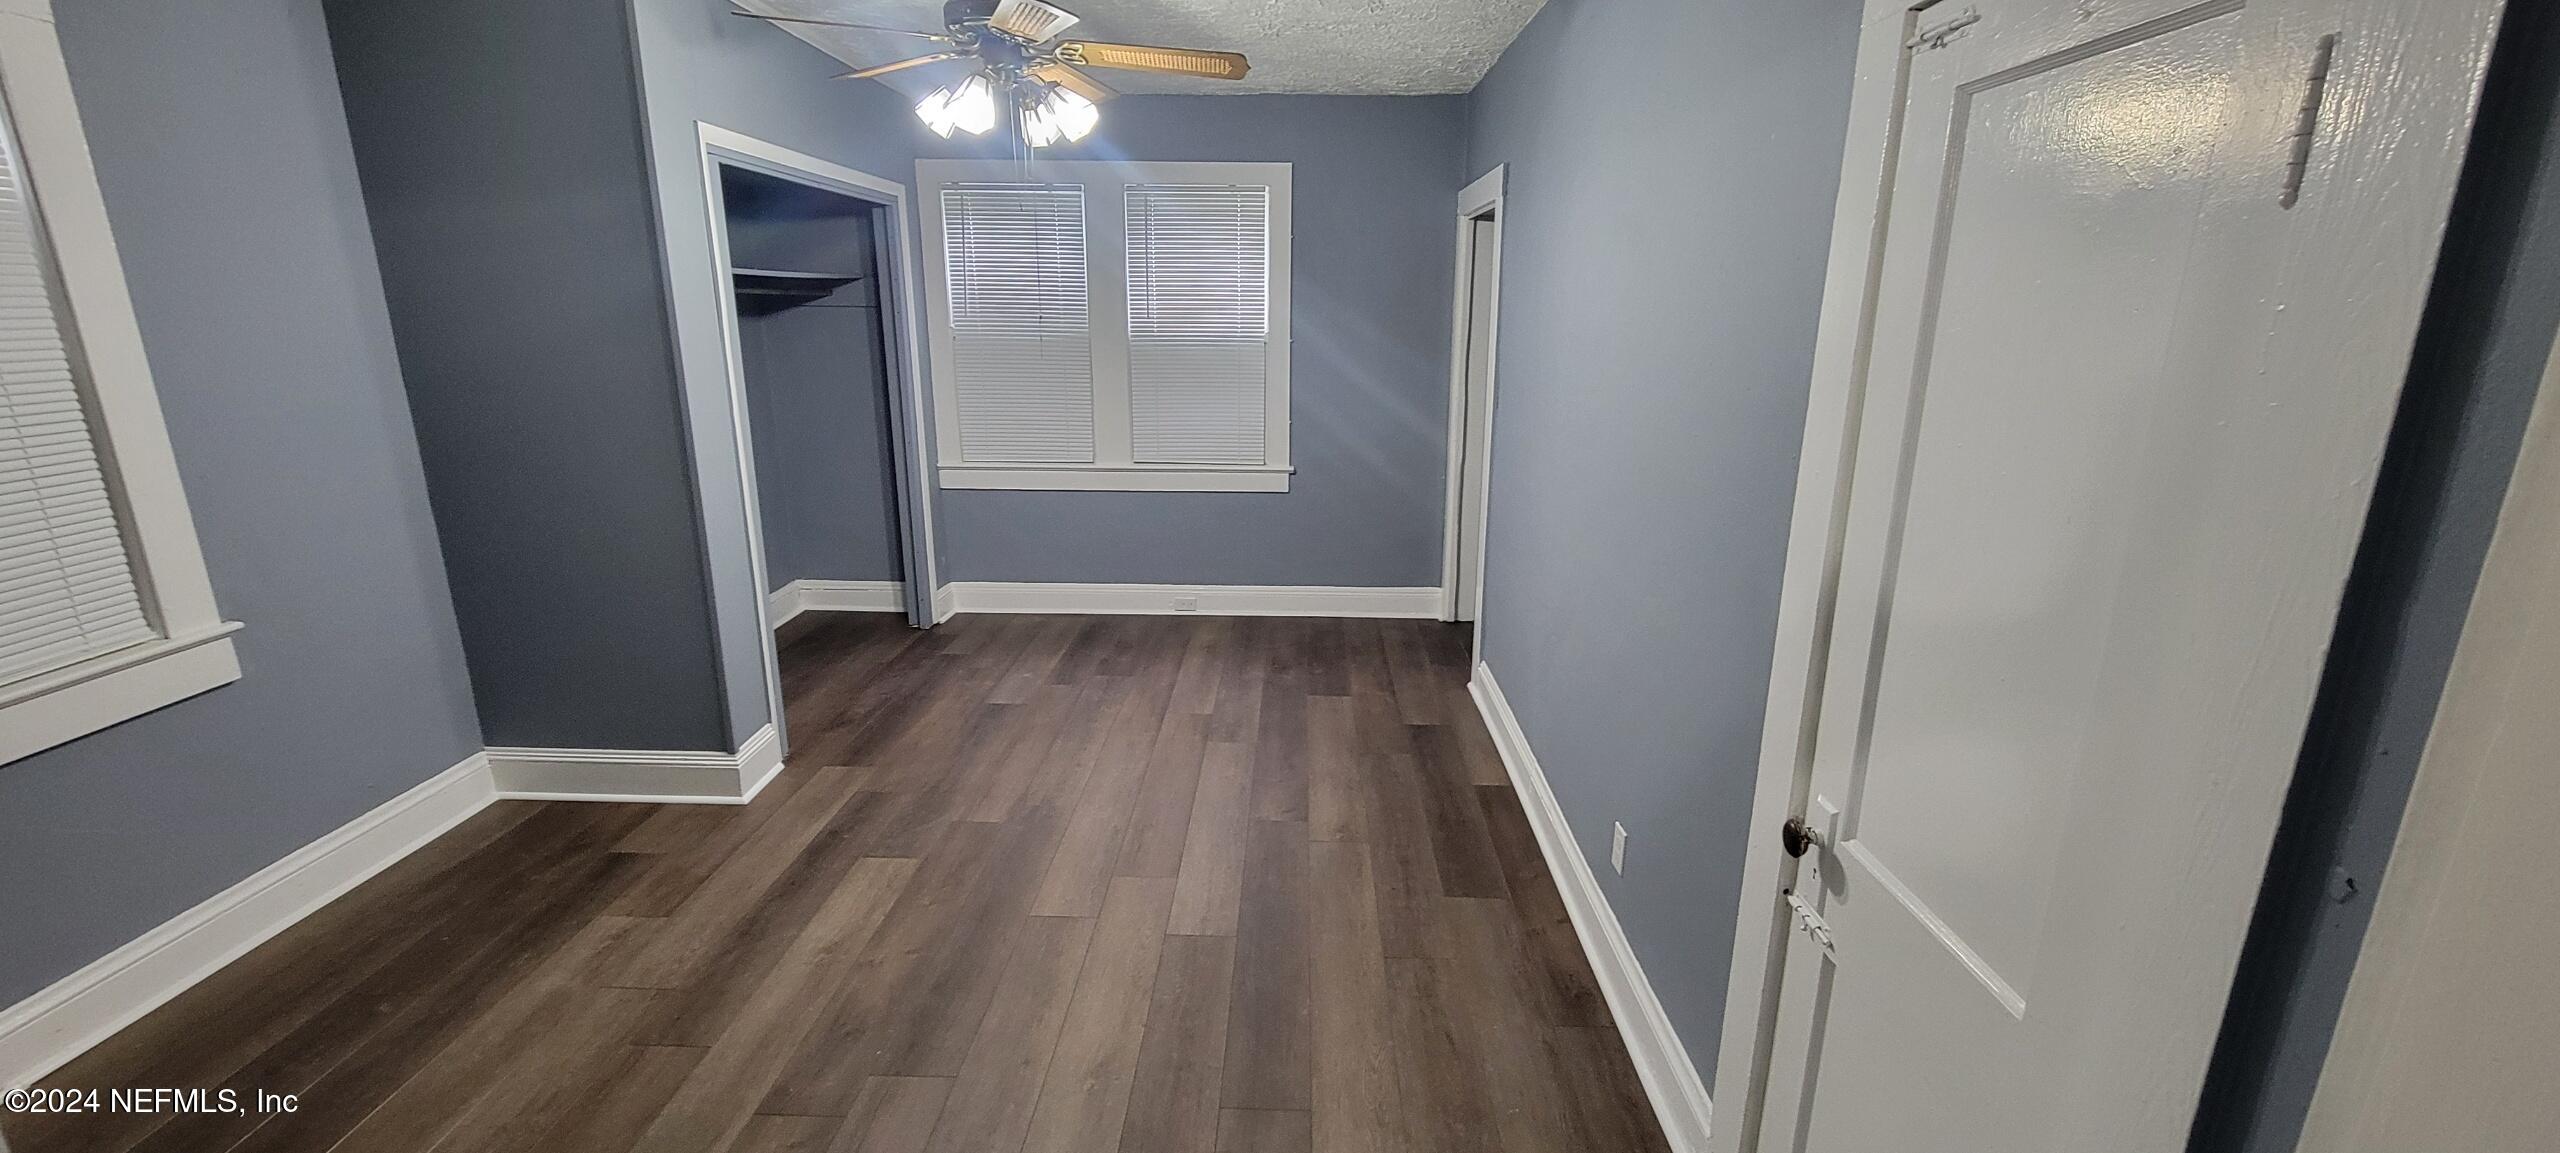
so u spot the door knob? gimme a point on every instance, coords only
(1796, 836)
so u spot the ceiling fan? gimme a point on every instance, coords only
(1020, 57)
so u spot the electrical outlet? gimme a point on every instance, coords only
(1186, 604)
(1618, 848)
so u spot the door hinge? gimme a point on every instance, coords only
(2306, 122)
(1810, 923)
(1937, 35)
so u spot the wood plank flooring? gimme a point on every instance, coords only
(1028, 884)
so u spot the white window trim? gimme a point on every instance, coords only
(1106, 265)
(194, 652)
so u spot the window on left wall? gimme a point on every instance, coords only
(106, 611)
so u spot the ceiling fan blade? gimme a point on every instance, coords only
(1075, 80)
(940, 36)
(1149, 58)
(900, 65)
(1030, 21)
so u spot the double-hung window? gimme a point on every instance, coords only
(1109, 326)
(105, 609)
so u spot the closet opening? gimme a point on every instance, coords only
(822, 390)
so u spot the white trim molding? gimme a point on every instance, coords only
(825, 596)
(660, 776)
(1480, 200)
(946, 603)
(1204, 600)
(1670, 1077)
(43, 1032)
(1119, 478)
(72, 702)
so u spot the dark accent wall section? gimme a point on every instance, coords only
(2478, 364)
(817, 387)
(1374, 197)
(1673, 165)
(500, 145)
(224, 158)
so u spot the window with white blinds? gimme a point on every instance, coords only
(1021, 337)
(1119, 326)
(1199, 321)
(106, 612)
(67, 589)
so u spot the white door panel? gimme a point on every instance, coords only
(2030, 403)
(2095, 534)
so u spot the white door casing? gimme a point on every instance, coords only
(2082, 510)
(1479, 417)
(1474, 341)
(2445, 1040)
(894, 260)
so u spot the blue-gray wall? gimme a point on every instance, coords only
(1672, 169)
(778, 224)
(1374, 199)
(224, 159)
(817, 386)
(824, 474)
(2478, 364)
(503, 166)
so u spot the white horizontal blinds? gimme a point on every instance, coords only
(1199, 322)
(1021, 342)
(67, 589)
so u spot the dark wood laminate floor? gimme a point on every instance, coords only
(1028, 883)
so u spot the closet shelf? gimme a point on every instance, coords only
(770, 289)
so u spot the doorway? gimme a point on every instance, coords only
(814, 356)
(824, 386)
(1474, 324)
(2107, 360)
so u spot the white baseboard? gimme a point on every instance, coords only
(1670, 1078)
(946, 603)
(38, 1035)
(803, 596)
(1205, 600)
(682, 777)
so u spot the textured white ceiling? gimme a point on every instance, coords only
(1372, 47)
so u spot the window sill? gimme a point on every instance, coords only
(1119, 478)
(64, 705)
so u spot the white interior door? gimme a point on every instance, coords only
(1479, 416)
(2108, 480)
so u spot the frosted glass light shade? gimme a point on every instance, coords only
(1071, 114)
(973, 106)
(935, 111)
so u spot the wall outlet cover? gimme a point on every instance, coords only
(1186, 604)
(1618, 848)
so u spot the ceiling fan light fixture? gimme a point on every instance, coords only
(935, 111)
(973, 106)
(1039, 128)
(1070, 114)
